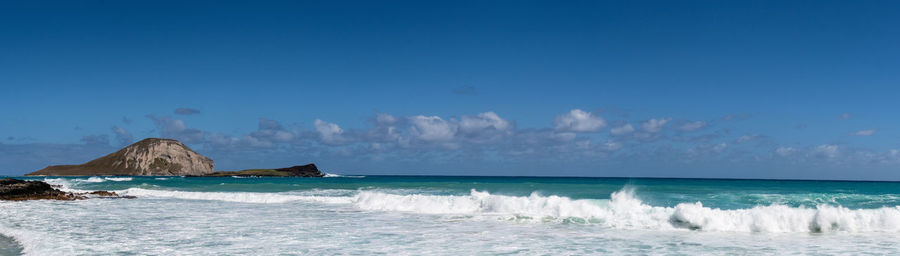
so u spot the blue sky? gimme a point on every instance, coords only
(717, 89)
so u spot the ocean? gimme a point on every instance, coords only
(423, 215)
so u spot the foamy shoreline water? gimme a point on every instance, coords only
(480, 215)
(9, 246)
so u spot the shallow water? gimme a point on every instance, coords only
(8, 246)
(459, 216)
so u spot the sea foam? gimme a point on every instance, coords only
(622, 211)
(239, 197)
(96, 179)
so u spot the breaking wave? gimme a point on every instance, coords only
(622, 211)
(239, 197)
(103, 179)
(332, 175)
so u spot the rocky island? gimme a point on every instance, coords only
(165, 157)
(148, 157)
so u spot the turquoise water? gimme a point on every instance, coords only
(412, 215)
(725, 194)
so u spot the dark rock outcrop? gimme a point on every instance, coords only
(308, 170)
(19, 190)
(148, 157)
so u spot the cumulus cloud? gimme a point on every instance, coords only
(621, 130)
(654, 125)
(176, 129)
(578, 120)
(186, 111)
(487, 126)
(486, 120)
(827, 151)
(487, 136)
(385, 119)
(268, 134)
(865, 132)
(329, 132)
(431, 128)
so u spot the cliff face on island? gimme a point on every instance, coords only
(148, 157)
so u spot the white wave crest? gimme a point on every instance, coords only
(92, 180)
(240, 197)
(622, 211)
(780, 219)
(103, 179)
(332, 175)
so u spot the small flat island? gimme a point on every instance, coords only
(308, 170)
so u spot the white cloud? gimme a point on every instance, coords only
(329, 132)
(654, 125)
(431, 128)
(621, 130)
(785, 151)
(219, 139)
(176, 129)
(578, 120)
(483, 128)
(692, 126)
(482, 121)
(271, 130)
(828, 150)
(844, 116)
(865, 132)
(385, 119)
